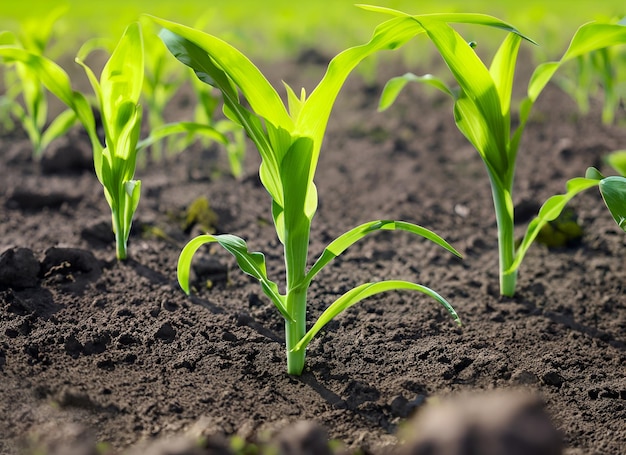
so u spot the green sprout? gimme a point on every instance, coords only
(595, 71)
(22, 82)
(289, 141)
(117, 95)
(482, 112)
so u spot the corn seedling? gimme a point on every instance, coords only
(205, 113)
(117, 93)
(117, 96)
(22, 82)
(289, 141)
(482, 112)
(601, 70)
(163, 78)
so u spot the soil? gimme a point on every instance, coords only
(115, 350)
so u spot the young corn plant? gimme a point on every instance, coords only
(23, 83)
(482, 112)
(117, 93)
(601, 70)
(289, 141)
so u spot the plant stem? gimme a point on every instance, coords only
(295, 330)
(120, 240)
(296, 252)
(503, 204)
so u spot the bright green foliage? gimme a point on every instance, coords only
(117, 95)
(205, 113)
(617, 160)
(23, 82)
(289, 142)
(162, 80)
(599, 70)
(482, 111)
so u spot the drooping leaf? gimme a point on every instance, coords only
(394, 86)
(344, 241)
(251, 263)
(362, 292)
(549, 211)
(613, 190)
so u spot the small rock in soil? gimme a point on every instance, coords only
(500, 423)
(70, 265)
(19, 268)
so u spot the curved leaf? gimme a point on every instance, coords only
(613, 190)
(262, 97)
(362, 292)
(344, 241)
(617, 160)
(170, 129)
(251, 263)
(394, 86)
(549, 211)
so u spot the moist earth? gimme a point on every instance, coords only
(117, 352)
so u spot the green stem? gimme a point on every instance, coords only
(296, 252)
(503, 204)
(295, 330)
(120, 238)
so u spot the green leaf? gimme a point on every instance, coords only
(58, 127)
(362, 292)
(549, 211)
(502, 71)
(593, 36)
(617, 160)
(56, 80)
(613, 190)
(593, 173)
(263, 99)
(588, 38)
(394, 86)
(170, 129)
(206, 69)
(480, 119)
(251, 263)
(343, 242)
(120, 83)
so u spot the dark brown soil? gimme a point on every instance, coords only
(117, 349)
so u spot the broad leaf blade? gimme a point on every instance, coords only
(490, 138)
(549, 211)
(502, 70)
(263, 98)
(362, 292)
(344, 241)
(121, 81)
(593, 36)
(613, 190)
(198, 59)
(251, 263)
